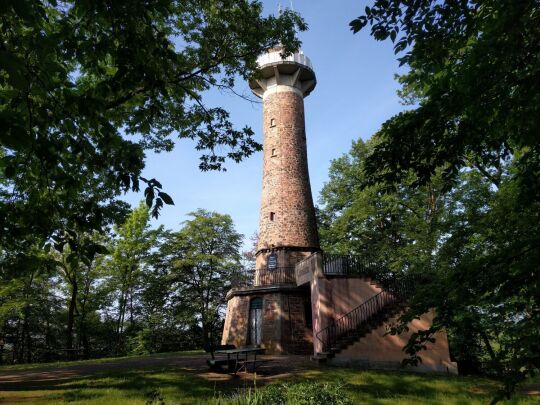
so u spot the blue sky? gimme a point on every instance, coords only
(355, 94)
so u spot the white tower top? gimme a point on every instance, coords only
(294, 70)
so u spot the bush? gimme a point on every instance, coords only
(246, 397)
(307, 393)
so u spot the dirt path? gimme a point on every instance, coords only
(277, 366)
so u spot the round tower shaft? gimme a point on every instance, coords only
(287, 225)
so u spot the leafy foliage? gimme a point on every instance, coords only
(204, 256)
(474, 81)
(87, 86)
(128, 263)
(306, 393)
(446, 238)
(398, 230)
(144, 291)
(475, 72)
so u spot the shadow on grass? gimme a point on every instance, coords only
(376, 387)
(194, 385)
(174, 382)
(6, 368)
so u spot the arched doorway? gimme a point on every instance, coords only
(255, 321)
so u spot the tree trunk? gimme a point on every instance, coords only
(24, 337)
(48, 356)
(490, 350)
(21, 329)
(71, 317)
(83, 335)
(120, 322)
(131, 307)
(28, 340)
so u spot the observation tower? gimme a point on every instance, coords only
(271, 310)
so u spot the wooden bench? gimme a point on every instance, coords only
(215, 363)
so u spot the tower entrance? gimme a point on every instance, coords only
(255, 321)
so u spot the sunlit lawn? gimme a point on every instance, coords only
(179, 385)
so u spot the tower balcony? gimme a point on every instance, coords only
(295, 71)
(265, 277)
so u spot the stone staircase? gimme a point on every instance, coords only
(361, 331)
(365, 318)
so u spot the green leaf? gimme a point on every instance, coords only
(166, 198)
(149, 192)
(15, 68)
(100, 249)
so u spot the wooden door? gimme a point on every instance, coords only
(255, 321)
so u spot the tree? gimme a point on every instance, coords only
(204, 256)
(28, 306)
(474, 74)
(399, 230)
(137, 290)
(131, 248)
(474, 82)
(88, 86)
(161, 329)
(434, 236)
(75, 265)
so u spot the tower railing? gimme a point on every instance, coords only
(275, 57)
(264, 276)
(352, 265)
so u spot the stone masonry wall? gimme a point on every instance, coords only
(379, 350)
(287, 216)
(284, 328)
(235, 329)
(271, 326)
(297, 337)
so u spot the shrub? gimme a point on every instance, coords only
(307, 393)
(246, 397)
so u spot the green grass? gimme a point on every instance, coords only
(180, 385)
(58, 364)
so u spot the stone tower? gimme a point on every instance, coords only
(269, 309)
(287, 225)
(297, 299)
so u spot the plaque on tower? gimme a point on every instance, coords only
(272, 262)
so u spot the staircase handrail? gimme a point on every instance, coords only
(397, 290)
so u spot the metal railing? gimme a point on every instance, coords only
(275, 57)
(264, 276)
(396, 290)
(351, 265)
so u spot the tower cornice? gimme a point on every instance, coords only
(295, 71)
